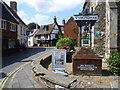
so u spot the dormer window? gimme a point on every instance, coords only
(45, 28)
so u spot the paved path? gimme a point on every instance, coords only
(23, 78)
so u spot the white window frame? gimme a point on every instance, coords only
(3, 24)
(13, 27)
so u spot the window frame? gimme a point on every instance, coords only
(3, 24)
(13, 27)
(20, 30)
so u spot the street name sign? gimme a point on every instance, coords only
(85, 17)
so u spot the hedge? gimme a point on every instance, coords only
(114, 63)
(65, 42)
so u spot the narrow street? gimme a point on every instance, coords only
(14, 63)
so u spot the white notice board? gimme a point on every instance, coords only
(59, 59)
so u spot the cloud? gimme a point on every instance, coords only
(37, 18)
(49, 6)
(21, 14)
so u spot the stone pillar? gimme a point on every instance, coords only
(92, 37)
(113, 28)
(107, 39)
(79, 40)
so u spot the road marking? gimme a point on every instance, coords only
(10, 84)
(4, 80)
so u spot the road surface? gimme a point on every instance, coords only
(17, 66)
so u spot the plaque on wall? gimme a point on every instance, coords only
(88, 67)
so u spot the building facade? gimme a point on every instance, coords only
(71, 30)
(32, 41)
(8, 29)
(48, 33)
(22, 27)
(9, 24)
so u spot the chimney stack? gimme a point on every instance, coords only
(55, 20)
(13, 5)
(63, 21)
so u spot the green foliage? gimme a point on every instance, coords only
(60, 35)
(114, 63)
(32, 26)
(54, 41)
(65, 42)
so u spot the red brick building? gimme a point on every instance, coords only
(71, 30)
(9, 27)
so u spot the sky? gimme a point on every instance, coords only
(43, 11)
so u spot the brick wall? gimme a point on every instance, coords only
(8, 33)
(69, 29)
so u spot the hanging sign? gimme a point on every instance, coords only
(59, 59)
(86, 17)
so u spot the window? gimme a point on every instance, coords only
(11, 43)
(45, 28)
(24, 31)
(13, 27)
(29, 42)
(21, 30)
(3, 24)
(46, 36)
(75, 30)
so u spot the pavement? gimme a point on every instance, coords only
(23, 78)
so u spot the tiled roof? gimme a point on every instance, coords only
(10, 16)
(41, 31)
(5, 13)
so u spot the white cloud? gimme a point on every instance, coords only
(51, 5)
(37, 18)
(21, 14)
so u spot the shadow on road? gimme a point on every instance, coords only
(19, 56)
(2, 75)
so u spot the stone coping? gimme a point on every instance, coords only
(55, 79)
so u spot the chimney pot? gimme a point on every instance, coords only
(55, 20)
(13, 5)
(63, 21)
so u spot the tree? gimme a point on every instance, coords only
(60, 35)
(32, 26)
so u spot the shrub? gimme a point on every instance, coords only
(54, 41)
(114, 63)
(65, 42)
